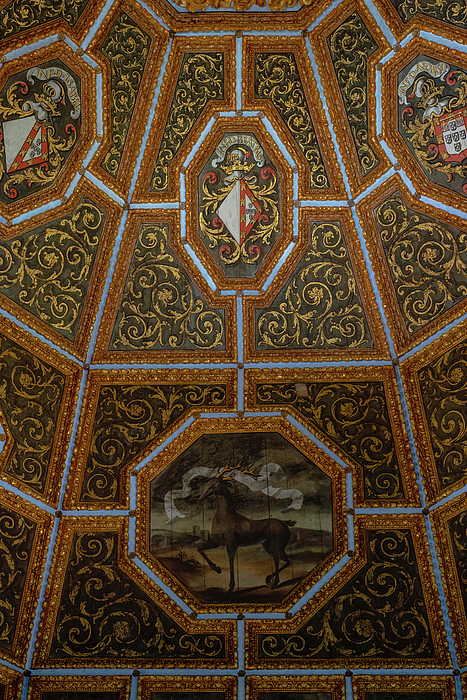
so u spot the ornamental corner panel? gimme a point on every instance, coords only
(348, 44)
(160, 308)
(450, 531)
(24, 537)
(279, 81)
(10, 683)
(194, 687)
(255, 548)
(356, 615)
(42, 255)
(320, 305)
(424, 89)
(295, 688)
(419, 256)
(355, 412)
(79, 687)
(444, 17)
(239, 209)
(130, 46)
(126, 415)
(25, 21)
(435, 380)
(126, 616)
(47, 125)
(198, 83)
(403, 687)
(38, 394)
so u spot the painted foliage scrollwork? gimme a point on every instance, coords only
(47, 272)
(355, 416)
(16, 541)
(127, 48)
(277, 79)
(380, 612)
(201, 79)
(427, 261)
(451, 11)
(443, 385)
(103, 613)
(320, 306)
(350, 45)
(30, 397)
(18, 15)
(128, 418)
(161, 307)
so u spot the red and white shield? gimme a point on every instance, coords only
(25, 142)
(451, 135)
(239, 210)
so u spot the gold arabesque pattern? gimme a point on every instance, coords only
(320, 305)
(126, 47)
(181, 411)
(161, 308)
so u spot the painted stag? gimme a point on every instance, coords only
(231, 530)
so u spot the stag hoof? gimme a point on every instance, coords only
(269, 578)
(217, 569)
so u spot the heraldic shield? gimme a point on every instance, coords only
(238, 200)
(432, 119)
(40, 115)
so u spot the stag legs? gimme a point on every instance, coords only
(210, 544)
(273, 579)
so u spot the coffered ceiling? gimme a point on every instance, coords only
(233, 350)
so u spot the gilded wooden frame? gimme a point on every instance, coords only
(38, 685)
(30, 594)
(12, 681)
(88, 125)
(180, 46)
(68, 527)
(358, 182)
(103, 354)
(98, 378)
(402, 341)
(238, 21)
(134, 137)
(403, 684)
(222, 126)
(295, 684)
(253, 628)
(297, 45)
(387, 376)
(251, 303)
(187, 684)
(409, 371)
(440, 517)
(241, 425)
(389, 74)
(64, 425)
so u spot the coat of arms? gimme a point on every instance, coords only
(239, 205)
(432, 119)
(39, 124)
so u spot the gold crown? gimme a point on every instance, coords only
(233, 161)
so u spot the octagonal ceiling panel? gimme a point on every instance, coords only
(196, 528)
(47, 102)
(428, 127)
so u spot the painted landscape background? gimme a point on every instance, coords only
(175, 542)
